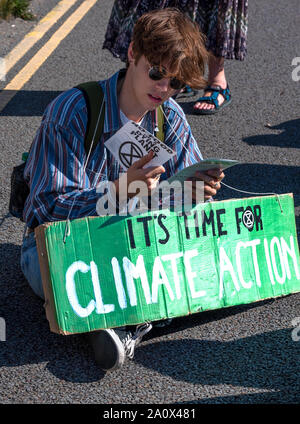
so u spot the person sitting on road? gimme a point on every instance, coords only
(166, 53)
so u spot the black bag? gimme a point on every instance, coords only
(19, 190)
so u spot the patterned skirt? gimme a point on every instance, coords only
(224, 22)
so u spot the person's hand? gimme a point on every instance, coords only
(136, 172)
(212, 181)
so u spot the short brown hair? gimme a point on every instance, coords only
(169, 36)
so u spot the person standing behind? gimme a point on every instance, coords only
(224, 23)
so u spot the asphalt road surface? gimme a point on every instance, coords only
(244, 354)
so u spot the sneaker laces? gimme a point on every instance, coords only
(131, 341)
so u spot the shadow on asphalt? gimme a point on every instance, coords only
(289, 137)
(28, 337)
(29, 103)
(267, 361)
(287, 133)
(276, 397)
(261, 178)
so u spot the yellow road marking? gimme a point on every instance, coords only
(41, 56)
(38, 32)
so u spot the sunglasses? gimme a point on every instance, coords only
(157, 73)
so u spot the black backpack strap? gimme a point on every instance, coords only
(159, 119)
(94, 98)
(161, 124)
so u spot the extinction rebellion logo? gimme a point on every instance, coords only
(248, 218)
(128, 153)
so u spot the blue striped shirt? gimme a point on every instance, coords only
(55, 168)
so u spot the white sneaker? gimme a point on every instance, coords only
(111, 346)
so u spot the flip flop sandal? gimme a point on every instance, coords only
(186, 92)
(213, 99)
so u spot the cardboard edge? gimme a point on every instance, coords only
(49, 304)
(254, 197)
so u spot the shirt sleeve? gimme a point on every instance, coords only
(59, 186)
(180, 138)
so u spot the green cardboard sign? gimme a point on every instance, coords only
(115, 271)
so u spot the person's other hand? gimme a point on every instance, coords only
(212, 181)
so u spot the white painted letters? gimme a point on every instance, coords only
(71, 289)
(280, 279)
(158, 271)
(277, 258)
(292, 252)
(172, 257)
(136, 271)
(119, 284)
(226, 265)
(253, 244)
(100, 307)
(188, 255)
(72, 294)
